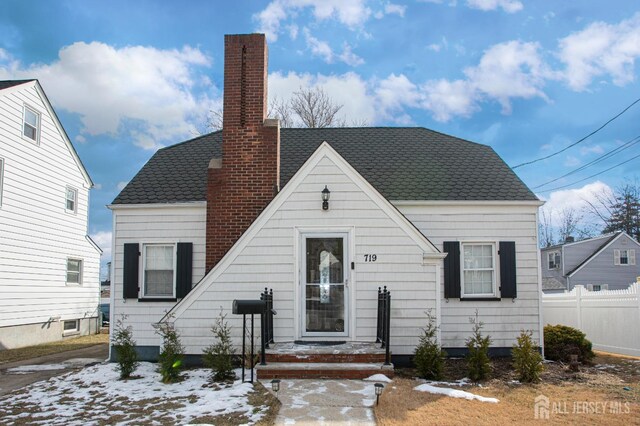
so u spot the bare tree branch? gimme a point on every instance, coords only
(314, 108)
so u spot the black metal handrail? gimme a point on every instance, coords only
(383, 328)
(267, 318)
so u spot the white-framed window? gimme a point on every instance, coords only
(159, 271)
(71, 200)
(74, 271)
(553, 260)
(624, 257)
(70, 327)
(1, 179)
(478, 269)
(31, 124)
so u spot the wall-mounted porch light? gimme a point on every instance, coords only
(325, 198)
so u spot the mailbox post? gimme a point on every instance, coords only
(244, 308)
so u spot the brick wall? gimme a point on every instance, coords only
(246, 180)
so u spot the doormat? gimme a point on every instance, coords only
(314, 343)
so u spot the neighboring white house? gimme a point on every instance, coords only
(605, 262)
(49, 267)
(442, 222)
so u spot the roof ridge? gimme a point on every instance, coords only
(190, 140)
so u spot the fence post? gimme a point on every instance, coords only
(579, 289)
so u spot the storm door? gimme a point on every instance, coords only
(324, 285)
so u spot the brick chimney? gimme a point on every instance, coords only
(245, 180)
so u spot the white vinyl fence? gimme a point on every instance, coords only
(609, 318)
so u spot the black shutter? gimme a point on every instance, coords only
(184, 272)
(131, 271)
(452, 270)
(508, 287)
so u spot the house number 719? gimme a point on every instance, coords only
(370, 257)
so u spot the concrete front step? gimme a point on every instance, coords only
(352, 358)
(314, 370)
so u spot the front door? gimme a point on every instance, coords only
(324, 285)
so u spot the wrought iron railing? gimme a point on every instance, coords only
(384, 322)
(267, 318)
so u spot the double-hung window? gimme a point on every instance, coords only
(31, 124)
(478, 270)
(71, 200)
(159, 270)
(74, 271)
(624, 257)
(554, 260)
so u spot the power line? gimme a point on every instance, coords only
(581, 140)
(603, 157)
(592, 176)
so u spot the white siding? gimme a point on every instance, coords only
(270, 259)
(36, 234)
(476, 222)
(153, 225)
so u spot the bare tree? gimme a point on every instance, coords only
(308, 107)
(569, 220)
(545, 228)
(314, 108)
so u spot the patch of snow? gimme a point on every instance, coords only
(26, 369)
(191, 398)
(454, 393)
(378, 378)
(461, 382)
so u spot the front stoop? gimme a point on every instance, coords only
(353, 360)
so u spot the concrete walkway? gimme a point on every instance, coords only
(325, 402)
(17, 374)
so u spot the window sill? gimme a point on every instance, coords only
(70, 333)
(73, 285)
(480, 299)
(157, 299)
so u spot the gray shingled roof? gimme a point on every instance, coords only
(5, 84)
(401, 163)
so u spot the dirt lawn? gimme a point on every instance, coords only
(607, 392)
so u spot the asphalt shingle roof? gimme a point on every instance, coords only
(5, 84)
(401, 163)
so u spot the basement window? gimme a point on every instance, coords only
(71, 327)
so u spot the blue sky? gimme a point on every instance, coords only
(526, 77)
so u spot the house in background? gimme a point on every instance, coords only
(49, 273)
(606, 262)
(324, 217)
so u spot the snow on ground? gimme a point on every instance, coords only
(461, 382)
(26, 369)
(378, 378)
(95, 395)
(454, 393)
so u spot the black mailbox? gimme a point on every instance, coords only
(249, 307)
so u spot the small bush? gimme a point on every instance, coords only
(527, 360)
(478, 363)
(429, 357)
(219, 356)
(171, 357)
(125, 347)
(561, 341)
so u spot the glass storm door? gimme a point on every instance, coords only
(324, 294)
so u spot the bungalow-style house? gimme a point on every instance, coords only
(324, 218)
(605, 262)
(49, 278)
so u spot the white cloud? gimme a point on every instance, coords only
(103, 240)
(352, 13)
(322, 49)
(81, 139)
(140, 93)
(577, 199)
(597, 149)
(507, 70)
(601, 49)
(397, 9)
(509, 6)
(97, 186)
(349, 90)
(435, 47)
(572, 161)
(121, 185)
(510, 70)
